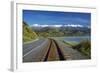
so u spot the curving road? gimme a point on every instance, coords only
(49, 50)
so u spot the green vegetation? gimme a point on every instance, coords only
(50, 33)
(28, 34)
(61, 31)
(70, 43)
(84, 47)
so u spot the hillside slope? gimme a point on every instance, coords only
(28, 34)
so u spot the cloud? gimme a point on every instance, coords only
(75, 25)
(57, 25)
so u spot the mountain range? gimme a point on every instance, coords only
(61, 30)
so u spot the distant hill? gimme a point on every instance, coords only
(62, 31)
(28, 33)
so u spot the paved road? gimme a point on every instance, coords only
(34, 51)
(49, 50)
(70, 53)
(29, 46)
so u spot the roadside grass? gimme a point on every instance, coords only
(84, 47)
(29, 41)
(70, 43)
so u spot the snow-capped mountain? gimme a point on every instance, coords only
(58, 25)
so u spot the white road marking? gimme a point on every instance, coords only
(35, 48)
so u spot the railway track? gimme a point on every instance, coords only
(54, 52)
(50, 50)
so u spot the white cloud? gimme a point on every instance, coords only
(35, 25)
(73, 25)
(55, 25)
(44, 25)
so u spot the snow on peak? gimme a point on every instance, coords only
(73, 25)
(57, 25)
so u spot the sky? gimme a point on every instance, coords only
(32, 17)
